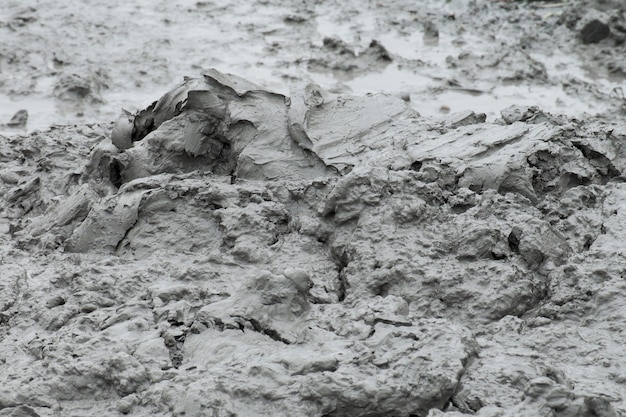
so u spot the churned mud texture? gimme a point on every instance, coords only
(279, 242)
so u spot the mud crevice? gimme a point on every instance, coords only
(394, 323)
(514, 240)
(268, 331)
(343, 286)
(115, 173)
(341, 263)
(124, 240)
(599, 161)
(174, 345)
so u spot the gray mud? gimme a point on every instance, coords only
(324, 209)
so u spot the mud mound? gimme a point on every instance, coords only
(395, 208)
(233, 251)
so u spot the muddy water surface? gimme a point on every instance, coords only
(131, 52)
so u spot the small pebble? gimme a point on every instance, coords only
(594, 31)
(55, 301)
(19, 119)
(126, 404)
(300, 277)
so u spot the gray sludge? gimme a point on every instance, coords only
(233, 251)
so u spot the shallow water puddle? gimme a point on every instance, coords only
(432, 51)
(45, 111)
(430, 98)
(41, 113)
(393, 79)
(328, 26)
(550, 99)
